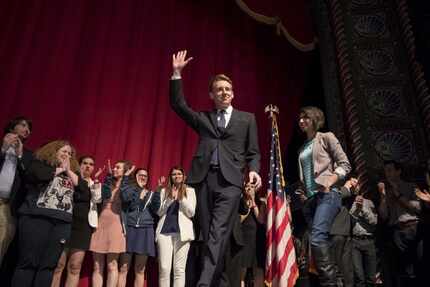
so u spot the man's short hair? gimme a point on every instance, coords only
(81, 158)
(217, 78)
(315, 114)
(397, 165)
(16, 121)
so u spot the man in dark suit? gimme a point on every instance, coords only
(341, 236)
(228, 145)
(14, 158)
(231, 273)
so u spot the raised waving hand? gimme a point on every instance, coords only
(179, 61)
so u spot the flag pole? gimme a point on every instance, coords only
(273, 112)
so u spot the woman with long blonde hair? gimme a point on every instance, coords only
(46, 215)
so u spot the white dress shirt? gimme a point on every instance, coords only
(7, 173)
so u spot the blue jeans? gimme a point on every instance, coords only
(320, 211)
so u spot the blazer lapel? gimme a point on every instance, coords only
(233, 118)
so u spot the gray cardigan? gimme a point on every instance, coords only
(328, 158)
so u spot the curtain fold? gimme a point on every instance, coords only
(290, 18)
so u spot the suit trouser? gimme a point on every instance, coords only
(230, 276)
(193, 268)
(424, 237)
(7, 228)
(342, 254)
(41, 241)
(218, 201)
(400, 252)
(170, 245)
(364, 260)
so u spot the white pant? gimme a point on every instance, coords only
(168, 246)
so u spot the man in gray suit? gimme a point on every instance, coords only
(228, 145)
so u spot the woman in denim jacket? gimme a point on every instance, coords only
(322, 165)
(140, 206)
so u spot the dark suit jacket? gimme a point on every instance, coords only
(18, 190)
(237, 143)
(342, 222)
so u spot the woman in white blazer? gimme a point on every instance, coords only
(175, 228)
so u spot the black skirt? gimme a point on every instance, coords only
(80, 237)
(248, 252)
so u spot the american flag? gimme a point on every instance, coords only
(281, 266)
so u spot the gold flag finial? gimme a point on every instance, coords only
(271, 110)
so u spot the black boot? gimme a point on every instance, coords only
(325, 265)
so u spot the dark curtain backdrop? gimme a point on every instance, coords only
(96, 73)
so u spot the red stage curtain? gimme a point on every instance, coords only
(96, 73)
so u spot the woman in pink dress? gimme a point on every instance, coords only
(108, 241)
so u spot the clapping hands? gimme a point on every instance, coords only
(130, 170)
(249, 191)
(381, 189)
(359, 201)
(63, 166)
(12, 140)
(162, 181)
(424, 195)
(254, 179)
(99, 172)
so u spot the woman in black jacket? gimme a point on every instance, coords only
(46, 214)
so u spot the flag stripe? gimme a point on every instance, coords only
(281, 266)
